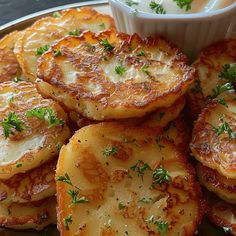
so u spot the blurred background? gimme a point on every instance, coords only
(13, 9)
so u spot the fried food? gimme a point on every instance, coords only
(28, 141)
(223, 187)
(102, 76)
(155, 120)
(209, 66)
(222, 214)
(34, 185)
(179, 133)
(114, 180)
(46, 31)
(35, 215)
(9, 67)
(214, 137)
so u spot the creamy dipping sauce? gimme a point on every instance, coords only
(171, 7)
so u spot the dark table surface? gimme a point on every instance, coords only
(13, 9)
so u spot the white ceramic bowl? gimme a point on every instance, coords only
(191, 32)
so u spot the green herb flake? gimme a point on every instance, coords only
(102, 26)
(160, 176)
(222, 102)
(162, 227)
(196, 88)
(131, 3)
(120, 70)
(121, 206)
(145, 69)
(141, 53)
(228, 73)
(224, 128)
(17, 79)
(150, 219)
(64, 178)
(56, 14)
(67, 221)
(140, 167)
(57, 53)
(76, 32)
(158, 8)
(18, 165)
(227, 230)
(107, 46)
(184, 4)
(10, 123)
(221, 89)
(75, 199)
(146, 200)
(110, 151)
(46, 114)
(58, 146)
(10, 99)
(42, 50)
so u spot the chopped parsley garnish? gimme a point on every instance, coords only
(121, 206)
(57, 53)
(56, 14)
(162, 226)
(17, 79)
(140, 167)
(222, 102)
(158, 8)
(75, 199)
(131, 3)
(64, 178)
(110, 151)
(141, 53)
(102, 26)
(10, 99)
(224, 128)
(221, 89)
(10, 123)
(58, 146)
(184, 4)
(161, 115)
(75, 32)
(67, 221)
(228, 73)
(18, 165)
(107, 46)
(42, 50)
(146, 200)
(160, 176)
(145, 69)
(46, 114)
(120, 70)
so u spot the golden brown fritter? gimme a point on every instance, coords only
(112, 179)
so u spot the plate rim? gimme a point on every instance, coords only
(30, 18)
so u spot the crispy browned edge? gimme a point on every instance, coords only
(213, 177)
(182, 158)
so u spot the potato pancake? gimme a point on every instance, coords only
(31, 186)
(114, 75)
(9, 67)
(114, 180)
(35, 215)
(210, 65)
(179, 133)
(156, 120)
(214, 137)
(222, 214)
(224, 187)
(37, 39)
(31, 128)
